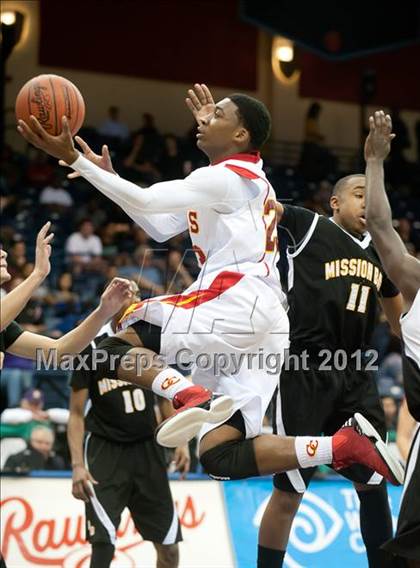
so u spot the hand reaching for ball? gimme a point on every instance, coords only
(60, 146)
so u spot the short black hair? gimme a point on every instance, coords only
(342, 183)
(255, 117)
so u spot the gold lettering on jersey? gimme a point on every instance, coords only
(106, 385)
(354, 267)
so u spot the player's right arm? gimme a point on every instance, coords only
(81, 478)
(402, 268)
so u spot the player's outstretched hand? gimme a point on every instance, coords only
(81, 483)
(60, 146)
(182, 460)
(43, 251)
(200, 101)
(101, 160)
(378, 142)
(114, 296)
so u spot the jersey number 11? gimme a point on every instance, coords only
(356, 302)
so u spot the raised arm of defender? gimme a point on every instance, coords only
(401, 267)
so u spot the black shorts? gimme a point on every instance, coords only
(313, 402)
(406, 543)
(133, 476)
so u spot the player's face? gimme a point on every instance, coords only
(221, 130)
(351, 206)
(4, 275)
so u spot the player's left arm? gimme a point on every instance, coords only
(393, 308)
(181, 457)
(204, 187)
(160, 226)
(401, 267)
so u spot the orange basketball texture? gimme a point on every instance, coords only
(49, 98)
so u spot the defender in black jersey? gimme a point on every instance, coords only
(122, 465)
(333, 284)
(404, 270)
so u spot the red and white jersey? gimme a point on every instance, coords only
(240, 235)
(228, 208)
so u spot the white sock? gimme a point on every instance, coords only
(313, 450)
(168, 382)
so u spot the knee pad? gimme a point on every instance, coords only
(231, 460)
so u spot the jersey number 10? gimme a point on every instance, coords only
(356, 302)
(133, 400)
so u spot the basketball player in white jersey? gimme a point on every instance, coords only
(235, 306)
(404, 270)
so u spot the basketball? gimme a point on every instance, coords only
(49, 98)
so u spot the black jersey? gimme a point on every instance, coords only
(117, 410)
(9, 335)
(333, 284)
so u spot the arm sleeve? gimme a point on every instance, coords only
(296, 221)
(11, 333)
(80, 378)
(161, 226)
(204, 187)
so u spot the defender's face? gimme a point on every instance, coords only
(219, 129)
(4, 275)
(351, 206)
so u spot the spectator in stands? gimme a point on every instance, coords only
(141, 162)
(64, 306)
(55, 197)
(401, 141)
(92, 210)
(16, 376)
(84, 248)
(390, 406)
(404, 229)
(144, 271)
(152, 140)
(172, 164)
(113, 127)
(39, 455)
(40, 171)
(17, 257)
(19, 422)
(316, 161)
(312, 128)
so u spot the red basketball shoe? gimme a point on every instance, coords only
(194, 406)
(358, 442)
